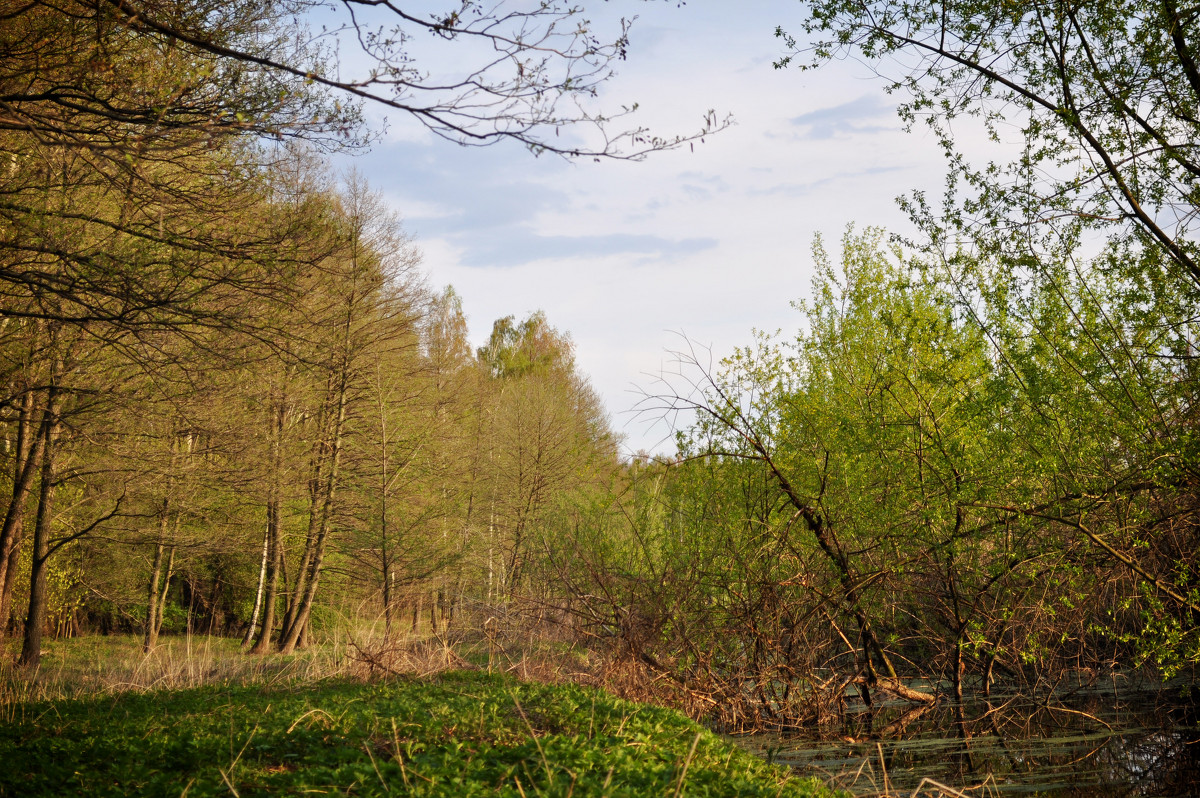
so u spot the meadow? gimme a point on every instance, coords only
(197, 718)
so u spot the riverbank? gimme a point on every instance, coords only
(456, 733)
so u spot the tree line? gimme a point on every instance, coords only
(225, 383)
(214, 477)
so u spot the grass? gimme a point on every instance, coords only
(273, 729)
(87, 666)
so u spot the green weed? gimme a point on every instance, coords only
(455, 734)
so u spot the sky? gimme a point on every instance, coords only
(702, 244)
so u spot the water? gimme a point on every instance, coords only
(1098, 742)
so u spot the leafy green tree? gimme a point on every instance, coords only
(544, 434)
(530, 347)
(1074, 251)
(1103, 98)
(860, 432)
(914, 486)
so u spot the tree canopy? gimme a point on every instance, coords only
(1101, 100)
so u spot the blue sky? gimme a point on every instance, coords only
(708, 243)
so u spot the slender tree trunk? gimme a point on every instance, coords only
(156, 590)
(28, 455)
(274, 537)
(150, 633)
(387, 594)
(31, 651)
(274, 561)
(248, 638)
(284, 583)
(214, 601)
(385, 560)
(166, 586)
(300, 585)
(9, 577)
(491, 567)
(960, 668)
(299, 620)
(319, 524)
(12, 531)
(316, 500)
(322, 477)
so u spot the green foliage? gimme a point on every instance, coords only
(459, 734)
(531, 347)
(1093, 107)
(955, 479)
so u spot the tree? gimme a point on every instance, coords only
(1075, 253)
(415, 521)
(854, 436)
(1104, 98)
(912, 487)
(125, 178)
(73, 390)
(360, 304)
(546, 432)
(167, 111)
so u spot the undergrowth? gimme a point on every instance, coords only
(453, 734)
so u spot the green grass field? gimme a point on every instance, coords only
(457, 733)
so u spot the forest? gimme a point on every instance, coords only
(231, 400)
(232, 406)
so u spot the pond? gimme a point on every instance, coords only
(1097, 741)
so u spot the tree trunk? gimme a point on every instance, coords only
(13, 529)
(387, 596)
(31, 651)
(319, 524)
(216, 615)
(150, 633)
(9, 576)
(299, 621)
(312, 541)
(156, 592)
(28, 454)
(166, 586)
(385, 561)
(274, 537)
(258, 593)
(295, 595)
(274, 562)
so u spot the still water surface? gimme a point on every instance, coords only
(1098, 742)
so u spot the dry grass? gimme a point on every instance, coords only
(530, 653)
(94, 665)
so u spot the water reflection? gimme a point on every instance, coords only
(1098, 743)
